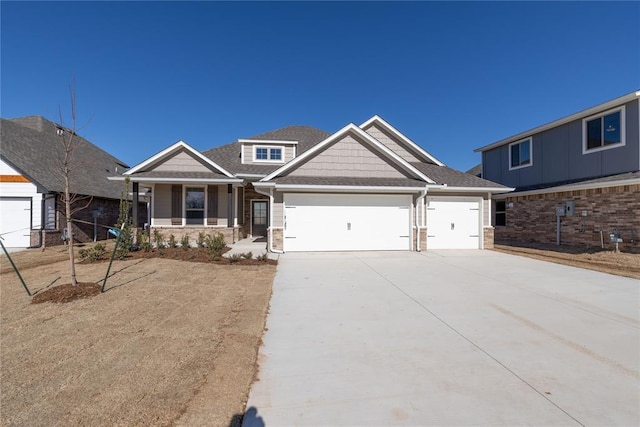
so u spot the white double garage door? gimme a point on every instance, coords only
(360, 222)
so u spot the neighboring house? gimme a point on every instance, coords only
(366, 187)
(31, 183)
(476, 171)
(581, 172)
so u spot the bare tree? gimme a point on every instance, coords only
(72, 201)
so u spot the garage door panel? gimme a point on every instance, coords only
(15, 222)
(453, 224)
(346, 222)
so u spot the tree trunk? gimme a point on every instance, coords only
(72, 260)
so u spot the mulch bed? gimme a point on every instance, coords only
(66, 293)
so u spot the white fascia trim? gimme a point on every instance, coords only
(169, 150)
(339, 134)
(571, 187)
(579, 115)
(178, 180)
(250, 175)
(268, 141)
(345, 188)
(491, 190)
(379, 120)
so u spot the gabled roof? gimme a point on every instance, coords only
(412, 146)
(353, 130)
(579, 115)
(169, 152)
(228, 155)
(445, 176)
(32, 146)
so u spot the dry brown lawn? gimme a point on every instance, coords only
(169, 343)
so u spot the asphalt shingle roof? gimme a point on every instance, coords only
(32, 145)
(585, 181)
(453, 178)
(228, 156)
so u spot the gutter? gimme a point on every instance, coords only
(270, 195)
(445, 187)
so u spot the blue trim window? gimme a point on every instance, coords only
(520, 154)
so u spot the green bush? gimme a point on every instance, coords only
(216, 243)
(248, 255)
(158, 239)
(184, 242)
(96, 253)
(200, 242)
(235, 258)
(263, 258)
(144, 242)
(173, 243)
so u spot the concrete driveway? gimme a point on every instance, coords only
(447, 338)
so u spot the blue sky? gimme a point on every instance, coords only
(452, 76)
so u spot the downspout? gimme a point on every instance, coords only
(421, 197)
(270, 195)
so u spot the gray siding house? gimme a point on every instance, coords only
(576, 179)
(298, 188)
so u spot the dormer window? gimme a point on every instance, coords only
(268, 154)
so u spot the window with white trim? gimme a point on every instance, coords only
(603, 131)
(268, 154)
(194, 205)
(520, 154)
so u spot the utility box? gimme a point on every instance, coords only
(570, 206)
(560, 211)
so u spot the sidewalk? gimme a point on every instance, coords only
(256, 246)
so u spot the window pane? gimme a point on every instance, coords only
(612, 128)
(501, 206)
(195, 217)
(515, 155)
(525, 157)
(261, 153)
(195, 198)
(276, 154)
(501, 219)
(594, 133)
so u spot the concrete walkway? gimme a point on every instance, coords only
(256, 246)
(446, 338)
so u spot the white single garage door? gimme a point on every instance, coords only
(15, 221)
(346, 222)
(453, 224)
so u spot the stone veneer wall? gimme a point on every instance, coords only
(231, 234)
(278, 237)
(423, 239)
(532, 218)
(488, 237)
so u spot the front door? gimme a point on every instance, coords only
(259, 218)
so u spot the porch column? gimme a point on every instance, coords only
(229, 205)
(134, 210)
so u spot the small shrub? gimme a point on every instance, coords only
(216, 243)
(173, 243)
(96, 253)
(184, 242)
(158, 239)
(248, 255)
(235, 258)
(263, 258)
(200, 241)
(144, 242)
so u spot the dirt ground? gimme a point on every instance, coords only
(618, 263)
(169, 343)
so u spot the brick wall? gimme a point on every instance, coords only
(249, 194)
(278, 238)
(533, 218)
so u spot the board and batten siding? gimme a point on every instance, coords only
(347, 158)
(247, 153)
(391, 143)
(558, 155)
(182, 162)
(22, 189)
